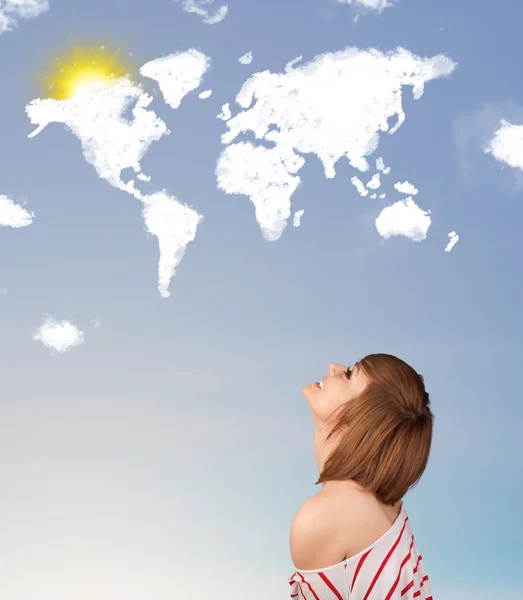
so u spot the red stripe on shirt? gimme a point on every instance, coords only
(360, 564)
(407, 588)
(329, 584)
(403, 563)
(386, 560)
(310, 587)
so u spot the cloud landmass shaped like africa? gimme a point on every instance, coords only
(112, 143)
(13, 10)
(334, 106)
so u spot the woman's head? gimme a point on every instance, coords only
(378, 414)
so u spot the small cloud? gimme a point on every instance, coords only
(453, 241)
(177, 74)
(403, 218)
(246, 59)
(474, 133)
(290, 65)
(197, 7)
(507, 144)
(95, 323)
(375, 182)
(225, 115)
(358, 184)
(13, 215)
(380, 165)
(13, 10)
(59, 336)
(368, 5)
(205, 94)
(406, 188)
(297, 217)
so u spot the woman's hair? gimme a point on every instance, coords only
(385, 433)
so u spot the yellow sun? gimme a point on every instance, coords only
(84, 70)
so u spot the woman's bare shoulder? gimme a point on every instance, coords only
(317, 541)
(336, 524)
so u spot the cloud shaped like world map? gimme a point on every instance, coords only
(334, 106)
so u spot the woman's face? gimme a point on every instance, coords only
(335, 389)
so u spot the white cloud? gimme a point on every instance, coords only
(13, 215)
(267, 175)
(375, 182)
(373, 196)
(358, 184)
(111, 143)
(377, 5)
(246, 59)
(507, 144)
(380, 165)
(453, 241)
(59, 336)
(473, 135)
(297, 217)
(225, 114)
(334, 106)
(290, 65)
(13, 10)
(403, 218)
(406, 188)
(177, 74)
(383, 195)
(174, 224)
(197, 7)
(205, 94)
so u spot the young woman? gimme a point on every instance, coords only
(372, 436)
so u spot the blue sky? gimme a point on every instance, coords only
(166, 455)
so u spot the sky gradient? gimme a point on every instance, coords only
(166, 455)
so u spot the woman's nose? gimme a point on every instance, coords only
(335, 368)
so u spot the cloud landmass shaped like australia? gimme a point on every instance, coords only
(334, 106)
(112, 143)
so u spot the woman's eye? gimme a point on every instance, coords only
(348, 373)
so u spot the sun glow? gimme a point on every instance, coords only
(85, 70)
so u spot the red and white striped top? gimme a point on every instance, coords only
(389, 569)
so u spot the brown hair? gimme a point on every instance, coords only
(385, 433)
